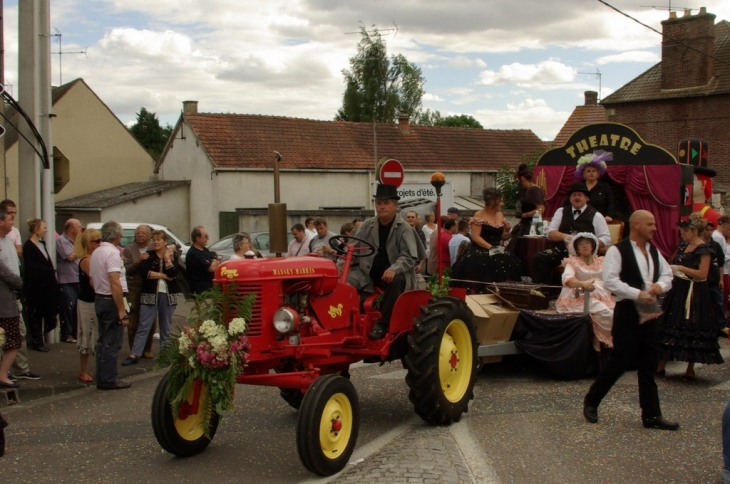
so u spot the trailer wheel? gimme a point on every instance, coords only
(442, 361)
(329, 420)
(182, 437)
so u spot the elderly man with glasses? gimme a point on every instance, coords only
(133, 255)
(201, 263)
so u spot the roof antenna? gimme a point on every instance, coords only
(60, 53)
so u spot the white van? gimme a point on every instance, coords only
(128, 230)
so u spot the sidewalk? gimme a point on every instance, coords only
(59, 368)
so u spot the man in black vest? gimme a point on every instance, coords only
(578, 217)
(636, 274)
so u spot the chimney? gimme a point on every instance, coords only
(190, 107)
(403, 124)
(682, 67)
(591, 98)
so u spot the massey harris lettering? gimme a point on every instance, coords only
(603, 140)
(293, 272)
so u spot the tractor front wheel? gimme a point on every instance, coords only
(182, 435)
(329, 420)
(442, 361)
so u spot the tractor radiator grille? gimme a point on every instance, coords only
(255, 324)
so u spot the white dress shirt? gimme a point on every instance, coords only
(600, 226)
(621, 290)
(720, 239)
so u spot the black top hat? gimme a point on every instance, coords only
(386, 192)
(579, 187)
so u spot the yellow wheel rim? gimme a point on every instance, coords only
(335, 427)
(455, 361)
(191, 427)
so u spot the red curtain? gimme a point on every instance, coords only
(655, 188)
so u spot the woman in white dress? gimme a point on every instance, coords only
(584, 271)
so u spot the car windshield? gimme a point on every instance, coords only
(224, 243)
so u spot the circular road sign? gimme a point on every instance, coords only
(390, 172)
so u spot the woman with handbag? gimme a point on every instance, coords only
(159, 294)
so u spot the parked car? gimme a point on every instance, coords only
(260, 241)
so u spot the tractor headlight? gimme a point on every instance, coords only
(286, 320)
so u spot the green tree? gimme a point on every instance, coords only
(434, 118)
(507, 183)
(379, 88)
(149, 133)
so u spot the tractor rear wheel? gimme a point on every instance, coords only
(185, 436)
(442, 361)
(329, 420)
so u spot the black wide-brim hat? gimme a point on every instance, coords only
(579, 187)
(386, 192)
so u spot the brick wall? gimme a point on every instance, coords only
(666, 122)
(683, 67)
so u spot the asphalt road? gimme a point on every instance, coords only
(524, 426)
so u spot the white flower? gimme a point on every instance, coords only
(208, 329)
(183, 343)
(191, 360)
(237, 326)
(218, 342)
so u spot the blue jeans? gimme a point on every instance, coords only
(147, 313)
(109, 342)
(67, 310)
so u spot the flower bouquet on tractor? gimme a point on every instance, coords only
(302, 326)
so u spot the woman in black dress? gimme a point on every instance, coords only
(686, 329)
(485, 260)
(532, 201)
(41, 286)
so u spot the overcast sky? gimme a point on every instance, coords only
(519, 64)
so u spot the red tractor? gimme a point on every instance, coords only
(309, 326)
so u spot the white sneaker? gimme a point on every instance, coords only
(156, 336)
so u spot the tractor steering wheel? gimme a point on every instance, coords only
(339, 241)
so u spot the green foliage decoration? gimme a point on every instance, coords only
(211, 347)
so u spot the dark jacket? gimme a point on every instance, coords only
(149, 286)
(40, 284)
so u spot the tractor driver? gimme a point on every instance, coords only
(392, 266)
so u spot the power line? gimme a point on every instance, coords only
(686, 45)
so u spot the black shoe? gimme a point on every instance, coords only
(378, 332)
(131, 360)
(117, 385)
(659, 423)
(9, 385)
(11, 377)
(590, 413)
(41, 348)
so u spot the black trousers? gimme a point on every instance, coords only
(391, 292)
(545, 261)
(633, 344)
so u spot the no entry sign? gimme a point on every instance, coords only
(389, 172)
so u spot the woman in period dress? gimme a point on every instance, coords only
(686, 329)
(585, 271)
(532, 201)
(590, 168)
(485, 260)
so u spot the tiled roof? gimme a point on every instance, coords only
(96, 201)
(647, 86)
(581, 116)
(249, 141)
